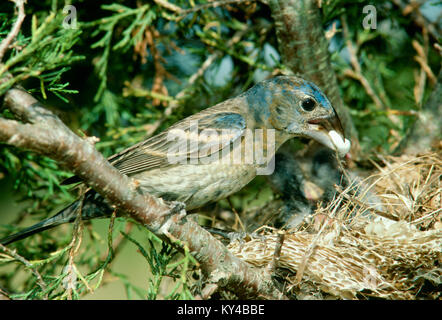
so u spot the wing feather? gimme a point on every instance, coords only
(199, 136)
(214, 132)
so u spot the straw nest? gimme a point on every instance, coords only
(386, 246)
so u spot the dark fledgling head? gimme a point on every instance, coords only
(297, 107)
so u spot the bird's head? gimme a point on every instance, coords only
(298, 108)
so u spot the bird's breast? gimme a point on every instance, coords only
(196, 185)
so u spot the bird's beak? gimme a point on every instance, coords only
(330, 133)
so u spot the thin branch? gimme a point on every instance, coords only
(29, 265)
(170, 6)
(4, 45)
(418, 19)
(422, 58)
(212, 4)
(356, 72)
(118, 243)
(183, 12)
(4, 295)
(425, 132)
(176, 102)
(75, 244)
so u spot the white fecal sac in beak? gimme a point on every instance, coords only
(342, 145)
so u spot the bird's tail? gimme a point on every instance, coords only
(66, 215)
(92, 206)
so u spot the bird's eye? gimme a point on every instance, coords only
(308, 104)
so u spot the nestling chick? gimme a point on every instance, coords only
(213, 154)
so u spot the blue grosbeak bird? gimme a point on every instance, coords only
(282, 108)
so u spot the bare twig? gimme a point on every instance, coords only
(152, 35)
(438, 47)
(4, 295)
(332, 32)
(356, 72)
(421, 58)
(175, 103)
(70, 279)
(212, 4)
(118, 243)
(29, 265)
(418, 19)
(424, 65)
(4, 45)
(372, 208)
(170, 6)
(183, 12)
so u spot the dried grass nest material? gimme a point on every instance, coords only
(356, 247)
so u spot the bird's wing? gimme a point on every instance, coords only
(196, 137)
(192, 138)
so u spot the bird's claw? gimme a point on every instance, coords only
(176, 207)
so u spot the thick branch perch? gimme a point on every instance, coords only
(44, 133)
(47, 135)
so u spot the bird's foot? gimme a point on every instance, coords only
(176, 206)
